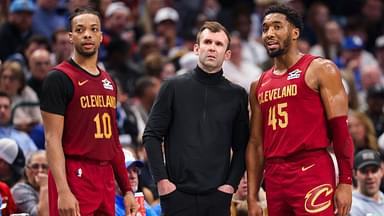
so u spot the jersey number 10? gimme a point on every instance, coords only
(278, 118)
(103, 126)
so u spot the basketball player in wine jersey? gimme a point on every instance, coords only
(79, 112)
(299, 110)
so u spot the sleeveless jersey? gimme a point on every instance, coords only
(90, 129)
(293, 117)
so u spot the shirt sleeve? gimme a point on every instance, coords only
(157, 128)
(239, 142)
(57, 92)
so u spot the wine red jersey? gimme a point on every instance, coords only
(90, 129)
(293, 116)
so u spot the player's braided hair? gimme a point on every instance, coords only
(80, 11)
(291, 14)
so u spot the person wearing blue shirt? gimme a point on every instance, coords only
(133, 168)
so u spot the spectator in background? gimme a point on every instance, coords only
(46, 20)
(252, 50)
(153, 65)
(375, 105)
(12, 161)
(371, 75)
(317, 16)
(35, 42)
(61, 46)
(371, 17)
(215, 12)
(147, 45)
(116, 20)
(187, 63)
(238, 69)
(13, 82)
(150, 7)
(31, 195)
(353, 57)
(330, 46)
(166, 31)
(362, 131)
(146, 89)
(133, 168)
(368, 199)
(16, 31)
(8, 131)
(39, 66)
(120, 65)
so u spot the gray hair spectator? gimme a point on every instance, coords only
(31, 196)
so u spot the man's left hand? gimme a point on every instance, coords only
(130, 204)
(343, 199)
(226, 189)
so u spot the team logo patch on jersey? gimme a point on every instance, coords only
(294, 74)
(107, 84)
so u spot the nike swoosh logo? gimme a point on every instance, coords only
(82, 82)
(305, 168)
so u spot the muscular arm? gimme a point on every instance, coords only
(335, 100)
(254, 153)
(53, 126)
(326, 79)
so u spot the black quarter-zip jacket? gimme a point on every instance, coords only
(200, 117)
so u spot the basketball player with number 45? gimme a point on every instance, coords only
(79, 113)
(299, 110)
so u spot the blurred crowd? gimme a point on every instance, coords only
(147, 41)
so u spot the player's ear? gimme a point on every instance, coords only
(295, 33)
(70, 35)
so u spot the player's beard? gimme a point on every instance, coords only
(84, 53)
(282, 50)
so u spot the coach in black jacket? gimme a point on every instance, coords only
(200, 116)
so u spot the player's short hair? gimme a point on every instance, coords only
(291, 14)
(80, 11)
(213, 27)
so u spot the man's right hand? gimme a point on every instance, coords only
(68, 204)
(254, 209)
(165, 187)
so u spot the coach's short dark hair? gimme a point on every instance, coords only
(291, 14)
(213, 27)
(80, 11)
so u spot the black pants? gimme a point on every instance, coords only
(178, 203)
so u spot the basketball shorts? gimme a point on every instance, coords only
(93, 185)
(303, 184)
